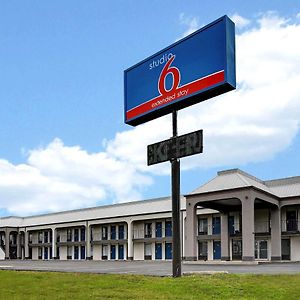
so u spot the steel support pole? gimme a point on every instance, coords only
(175, 164)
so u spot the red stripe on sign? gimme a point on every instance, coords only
(180, 92)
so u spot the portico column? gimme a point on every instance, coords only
(26, 244)
(224, 237)
(88, 241)
(19, 245)
(248, 228)
(7, 233)
(54, 248)
(130, 240)
(275, 234)
(191, 231)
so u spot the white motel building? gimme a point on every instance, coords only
(235, 216)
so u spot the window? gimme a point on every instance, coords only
(148, 230)
(121, 232)
(46, 237)
(104, 232)
(40, 249)
(69, 235)
(202, 251)
(30, 238)
(168, 228)
(58, 237)
(202, 229)
(158, 229)
(76, 235)
(69, 252)
(104, 252)
(148, 251)
(40, 236)
(82, 234)
(216, 225)
(113, 232)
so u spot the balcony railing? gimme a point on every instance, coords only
(157, 233)
(262, 227)
(290, 225)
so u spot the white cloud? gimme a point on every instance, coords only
(58, 177)
(251, 124)
(191, 23)
(240, 22)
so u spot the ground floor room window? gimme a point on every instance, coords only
(202, 250)
(148, 251)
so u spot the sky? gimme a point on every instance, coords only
(63, 141)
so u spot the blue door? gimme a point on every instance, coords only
(113, 252)
(216, 225)
(46, 253)
(158, 229)
(82, 252)
(217, 250)
(168, 251)
(168, 228)
(231, 225)
(121, 251)
(76, 252)
(158, 251)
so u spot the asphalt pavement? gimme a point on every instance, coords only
(156, 268)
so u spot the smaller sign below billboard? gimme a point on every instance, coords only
(177, 147)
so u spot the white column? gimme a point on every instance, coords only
(88, 241)
(26, 244)
(54, 248)
(130, 240)
(248, 228)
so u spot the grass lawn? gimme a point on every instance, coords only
(44, 285)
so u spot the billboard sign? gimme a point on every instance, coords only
(196, 68)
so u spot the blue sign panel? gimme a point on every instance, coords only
(194, 69)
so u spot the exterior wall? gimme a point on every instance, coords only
(295, 248)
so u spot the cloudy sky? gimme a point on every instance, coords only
(63, 141)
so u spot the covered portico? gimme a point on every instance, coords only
(233, 190)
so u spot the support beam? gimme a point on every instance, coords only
(7, 233)
(26, 244)
(88, 241)
(191, 231)
(130, 240)
(275, 234)
(19, 245)
(224, 237)
(248, 228)
(54, 248)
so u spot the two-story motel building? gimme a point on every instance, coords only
(235, 216)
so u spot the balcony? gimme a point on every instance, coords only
(290, 226)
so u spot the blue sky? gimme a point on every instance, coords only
(63, 142)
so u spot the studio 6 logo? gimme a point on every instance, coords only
(163, 76)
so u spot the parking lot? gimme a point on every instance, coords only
(158, 268)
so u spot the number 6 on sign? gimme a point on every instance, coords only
(162, 78)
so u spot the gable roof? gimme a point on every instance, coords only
(233, 179)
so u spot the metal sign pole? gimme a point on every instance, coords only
(175, 163)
